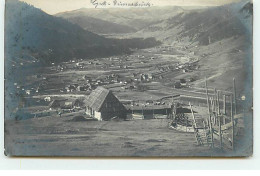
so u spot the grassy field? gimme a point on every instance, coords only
(55, 136)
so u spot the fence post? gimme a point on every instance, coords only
(215, 100)
(235, 98)
(232, 120)
(220, 133)
(224, 105)
(218, 103)
(210, 122)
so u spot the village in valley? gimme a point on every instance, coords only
(137, 80)
(146, 85)
(178, 98)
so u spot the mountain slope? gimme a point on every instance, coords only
(30, 30)
(220, 37)
(135, 18)
(32, 33)
(224, 45)
(209, 25)
(98, 26)
(247, 9)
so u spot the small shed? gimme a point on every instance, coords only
(65, 104)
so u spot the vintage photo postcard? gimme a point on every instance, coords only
(128, 78)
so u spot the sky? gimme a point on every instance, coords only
(56, 6)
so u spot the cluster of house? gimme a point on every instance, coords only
(31, 90)
(102, 80)
(130, 87)
(112, 78)
(25, 90)
(91, 83)
(146, 77)
(160, 70)
(115, 62)
(183, 82)
(75, 64)
(139, 77)
(187, 67)
(61, 67)
(116, 66)
(78, 65)
(77, 87)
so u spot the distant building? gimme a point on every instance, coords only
(103, 105)
(177, 85)
(183, 82)
(47, 99)
(65, 104)
(184, 70)
(82, 88)
(71, 88)
(190, 79)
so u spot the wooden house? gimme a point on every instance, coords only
(103, 105)
(65, 104)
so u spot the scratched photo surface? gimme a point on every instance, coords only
(128, 78)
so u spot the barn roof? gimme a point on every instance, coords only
(56, 103)
(63, 103)
(96, 99)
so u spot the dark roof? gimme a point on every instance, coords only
(57, 103)
(63, 103)
(96, 99)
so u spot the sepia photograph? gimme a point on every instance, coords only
(128, 78)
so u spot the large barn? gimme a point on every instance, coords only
(103, 105)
